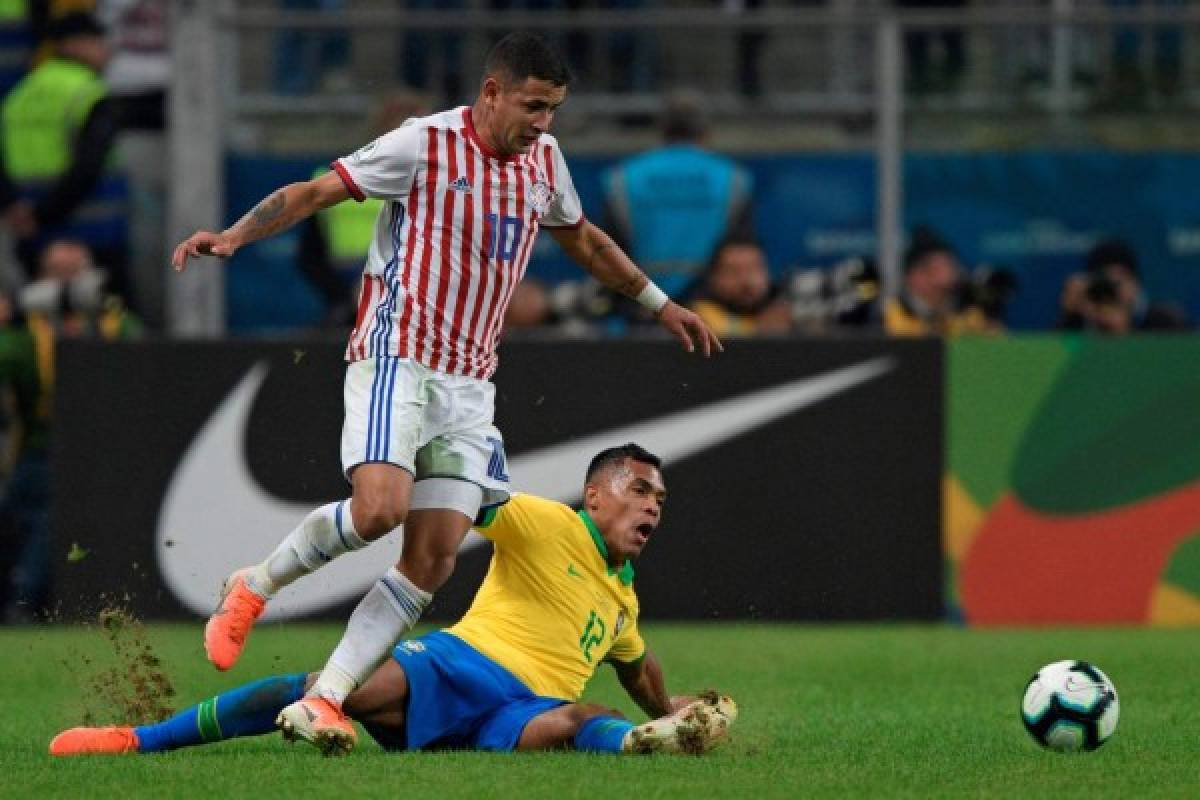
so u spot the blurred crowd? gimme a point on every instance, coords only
(685, 215)
(74, 76)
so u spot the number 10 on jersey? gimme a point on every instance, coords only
(504, 233)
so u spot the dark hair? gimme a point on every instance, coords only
(615, 456)
(925, 242)
(732, 240)
(684, 118)
(523, 55)
(1109, 252)
(75, 23)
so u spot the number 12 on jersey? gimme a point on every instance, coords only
(593, 634)
(505, 232)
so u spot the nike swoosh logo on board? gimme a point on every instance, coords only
(216, 518)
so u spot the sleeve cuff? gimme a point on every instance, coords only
(637, 662)
(351, 186)
(486, 516)
(572, 226)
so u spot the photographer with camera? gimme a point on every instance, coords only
(1108, 296)
(935, 299)
(736, 296)
(67, 300)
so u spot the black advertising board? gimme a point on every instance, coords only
(803, 476)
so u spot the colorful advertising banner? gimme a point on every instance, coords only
(1072, 485)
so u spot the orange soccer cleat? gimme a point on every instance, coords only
(112, 740)
(227, 629)
(320, 722)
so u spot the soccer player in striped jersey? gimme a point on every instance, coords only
(466, 192)
(557, 601)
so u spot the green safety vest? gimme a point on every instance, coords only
(14, 10)
(42, 117)
(348, 228)
(16, 42)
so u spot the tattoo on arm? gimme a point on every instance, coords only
(269, 209)
(268, 217)
(623, 284)
(629, 286)
(596, 251)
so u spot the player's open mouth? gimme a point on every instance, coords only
(644, 530)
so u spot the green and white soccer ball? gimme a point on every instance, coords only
(1070, 706)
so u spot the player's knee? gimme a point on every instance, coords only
(376, 514)
(428, 569)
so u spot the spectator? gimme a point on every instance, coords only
(57, 177)
(669, 208)
(930, 301)
(1127, 82)
(924, 73)
(334, 242)
(749, 49)
(736, 297)
(1108, 296)
(18, 38)
(66, 301)
(529, 307)
(305, 59)
(422, 48)
(140, 69)
(626, 57)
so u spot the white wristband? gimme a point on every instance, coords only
(652, 297)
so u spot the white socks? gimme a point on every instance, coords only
(387, 612)
(324, 535)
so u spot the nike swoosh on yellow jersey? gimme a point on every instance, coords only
(217, 517)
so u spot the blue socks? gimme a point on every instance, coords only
(248, 710)
(602, 735)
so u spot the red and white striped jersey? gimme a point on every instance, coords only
(452, 241)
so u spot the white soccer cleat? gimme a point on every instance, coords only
(694, 729)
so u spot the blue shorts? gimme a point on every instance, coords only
(459, 698)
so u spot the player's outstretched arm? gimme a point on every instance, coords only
(679, 723)
(596, 252)
(643, 680)
(282, 209)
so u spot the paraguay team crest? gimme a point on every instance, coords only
(538, 196)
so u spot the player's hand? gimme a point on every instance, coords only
(689, 329)
(679, 701)
(202, 243)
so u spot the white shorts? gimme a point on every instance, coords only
(429, 423)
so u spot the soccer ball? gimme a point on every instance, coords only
(1070, 706)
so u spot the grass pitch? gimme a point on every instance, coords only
(839, 711)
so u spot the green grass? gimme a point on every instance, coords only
(825, 712)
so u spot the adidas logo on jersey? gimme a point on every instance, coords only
(461, 184)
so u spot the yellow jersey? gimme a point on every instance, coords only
(550, 608)
(899, 320)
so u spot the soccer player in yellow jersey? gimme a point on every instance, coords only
(557, 601)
